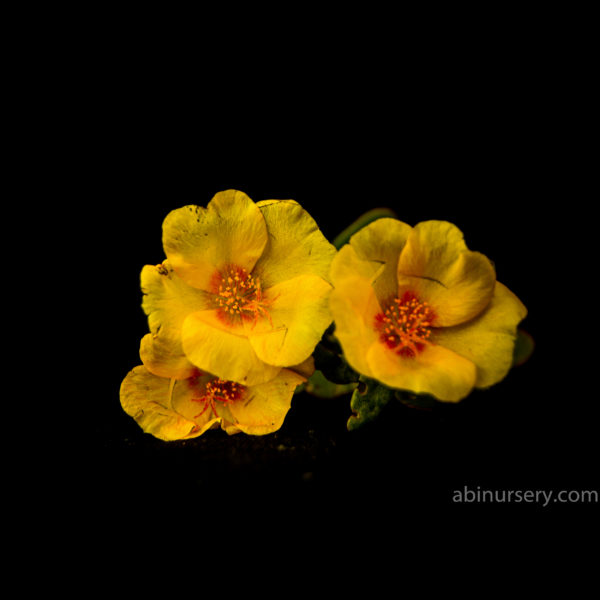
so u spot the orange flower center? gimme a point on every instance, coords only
(238, 295)
(219, 390)
(405, 325)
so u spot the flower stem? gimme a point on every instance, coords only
(362, 221)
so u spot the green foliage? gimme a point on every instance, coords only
(362, 221)
(318, 385)
(367, 401)
(333, 365)
(524, 346)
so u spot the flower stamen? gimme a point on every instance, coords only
(238, 295)
(405, 325)
(219, 390)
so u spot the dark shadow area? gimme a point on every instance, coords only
(498, 180)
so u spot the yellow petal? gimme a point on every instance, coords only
(264, 407)
(163, 355)
(230, 428)
(382, 242)
(227, 421)
(223, 353)
(353, 305)
(298, 315)
(198, 241)
(431, 248)
(439, 268)
(296, 245)
(348, 266)
(167, 301)
(216, 318)
(489, 339)
(436, 371)
(155, 404)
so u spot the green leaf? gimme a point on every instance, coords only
(330, 342)
(524, 346)
(362, 221)
(367, 402)
(333, 366)
(318, 385)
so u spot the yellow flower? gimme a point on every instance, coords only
(176, 409)
(242, 293)
(416, 310)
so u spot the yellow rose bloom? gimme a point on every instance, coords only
(416, 310)
(243, 291)
(177, 409)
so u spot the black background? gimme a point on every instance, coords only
(491, 142)
(530, 431)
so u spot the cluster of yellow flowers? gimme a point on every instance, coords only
(248, 290)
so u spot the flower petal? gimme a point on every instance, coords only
(382, 241)
(431, 249)
(296, 245)
(489, 339)
(439, 268)
(163, 355)
(219, 320)
(223, 353)
(155, 404)
(298, 316)
(198, 241)
(436, 371)
(353, 305)
(167, 298)
(264, 408)
(167, 301)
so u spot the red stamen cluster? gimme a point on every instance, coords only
(405, 325)
(239, 295)
(219, 390)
